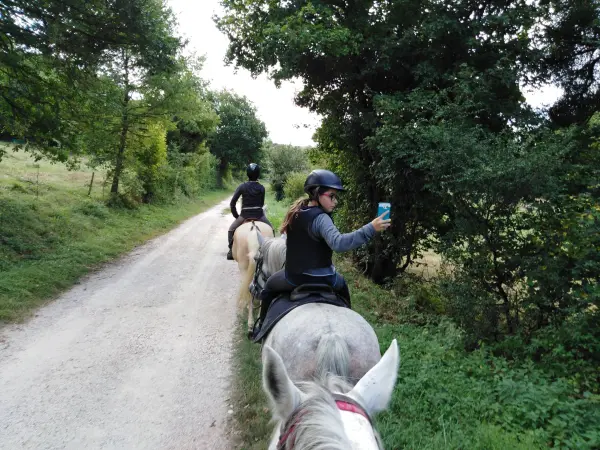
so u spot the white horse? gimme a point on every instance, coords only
(328, 414)
(317, 338)
(245, 246)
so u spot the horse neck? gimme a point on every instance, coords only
(274, 255)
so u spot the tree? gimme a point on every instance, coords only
(358, 59)
(51, 53)
(281, 161)
(239, 135)
(570, 58)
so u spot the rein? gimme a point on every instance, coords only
(259, 272)
(343, 403)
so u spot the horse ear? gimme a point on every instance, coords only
(374, 390)
(285, 397)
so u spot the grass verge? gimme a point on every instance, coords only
(445, 397)
(251, 411)
(52, 233)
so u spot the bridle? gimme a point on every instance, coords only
(343, 403)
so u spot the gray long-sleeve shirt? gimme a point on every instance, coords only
(324, 228)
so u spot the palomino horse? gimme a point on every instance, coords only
(328, 413)
(326, 338)
(245, 246)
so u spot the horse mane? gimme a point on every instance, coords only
(273, 250)
(321, 427)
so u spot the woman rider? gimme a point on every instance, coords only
(253, 200)
(312, 238)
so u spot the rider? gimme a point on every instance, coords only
(253, 200)
(312, 238)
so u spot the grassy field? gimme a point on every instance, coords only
(445, 398)
(52, 233)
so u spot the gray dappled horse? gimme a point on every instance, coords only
(317, 339)
(328, 413)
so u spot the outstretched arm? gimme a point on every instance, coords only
(324, 227)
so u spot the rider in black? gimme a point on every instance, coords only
(253, 200)
(312, 238)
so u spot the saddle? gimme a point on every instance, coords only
(287, 301)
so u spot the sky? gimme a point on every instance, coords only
(286, 122)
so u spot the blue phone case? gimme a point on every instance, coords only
(383, 207)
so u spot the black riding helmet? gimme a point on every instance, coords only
(321, 178)
(253, 171)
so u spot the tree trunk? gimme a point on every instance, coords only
(91, 184)
(120, 157)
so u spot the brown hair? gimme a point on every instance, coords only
(293, 212)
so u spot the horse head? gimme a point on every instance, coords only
(328, 413)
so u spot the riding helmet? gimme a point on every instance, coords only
(322, 178)
(253, 171)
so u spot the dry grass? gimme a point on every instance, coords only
(428, 267)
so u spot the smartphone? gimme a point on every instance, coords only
(384, 207)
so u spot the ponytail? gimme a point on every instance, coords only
(292, 213)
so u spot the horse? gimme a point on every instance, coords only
(245, 246)
(316, 339)
(328, 413)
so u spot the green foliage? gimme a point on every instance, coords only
(275, 210)
(104, 96)
(466, 400)
(568, 46)
(52, 54)
(294, 186)
(197, 176)
(281, 161)
(442, 54)
(238, 138)
(151, 159)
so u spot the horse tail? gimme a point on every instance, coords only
(244, 296)
(333, 357)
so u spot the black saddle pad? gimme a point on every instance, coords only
(283, 304)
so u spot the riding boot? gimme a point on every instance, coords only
(230, 237)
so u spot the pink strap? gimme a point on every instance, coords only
(345, 406)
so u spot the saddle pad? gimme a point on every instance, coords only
(282, 305)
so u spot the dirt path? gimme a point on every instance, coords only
(137, 356)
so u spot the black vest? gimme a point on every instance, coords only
(253, 199)
(303, 251)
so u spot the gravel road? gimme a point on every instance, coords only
(136, 356)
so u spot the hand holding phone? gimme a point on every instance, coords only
(382, 222)
(384, 207)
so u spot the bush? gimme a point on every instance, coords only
(294, 186)
(131, 191)
(187, 175)
(282, 161)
